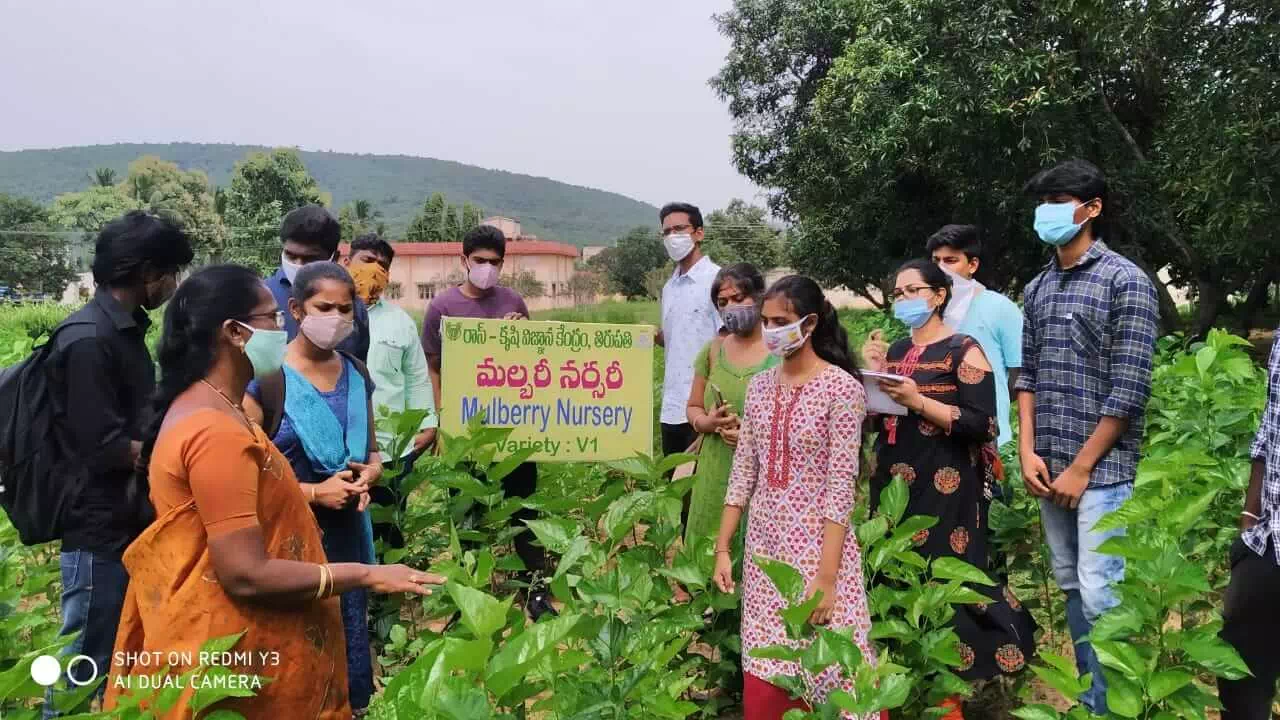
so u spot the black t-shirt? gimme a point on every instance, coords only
(106, 383)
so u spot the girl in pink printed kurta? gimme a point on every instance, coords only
(795, 468)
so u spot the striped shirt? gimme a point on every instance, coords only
(1266, 449)
(1088, 339)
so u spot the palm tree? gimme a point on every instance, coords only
(103, 176)
(366, 213)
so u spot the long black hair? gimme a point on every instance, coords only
(188, 343)
(933, 276)
(830, 341)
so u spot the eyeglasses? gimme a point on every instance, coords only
(278, 315)
(908, 291)
(677, 229)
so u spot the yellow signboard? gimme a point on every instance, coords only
(574, 392)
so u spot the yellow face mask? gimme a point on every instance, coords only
(371, 279)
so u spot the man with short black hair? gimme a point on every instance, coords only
(105, 378)
(985, 315)
(1088, 339)
(397, 363)
(690, 320)
(484, 250)
(312, 234)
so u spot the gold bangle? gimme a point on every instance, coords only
(320, 589)
(726, 552)
(328, 573)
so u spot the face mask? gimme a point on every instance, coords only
(159, 292)
(265, 350)
(787, 339)
(483, 275)
(290, 269)
(914, 313)
(1055, 223)
(963, 291)
(326, 331)
(739, 319)
(370, 279)
(678, 246)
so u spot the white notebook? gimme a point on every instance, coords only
(877, 400)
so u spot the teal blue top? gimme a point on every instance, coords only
(996, 323)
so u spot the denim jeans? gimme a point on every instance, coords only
(93, 588)
(1084, 574)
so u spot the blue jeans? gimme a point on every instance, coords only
(93, 588)
(1084, 574)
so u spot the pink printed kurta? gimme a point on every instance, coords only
(796, 467)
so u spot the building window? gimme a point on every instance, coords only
(426, 291)
(393, 291)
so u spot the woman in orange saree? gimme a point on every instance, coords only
(235, 549)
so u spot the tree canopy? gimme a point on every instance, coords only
(876, 121)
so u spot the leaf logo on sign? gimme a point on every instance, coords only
(453, 330)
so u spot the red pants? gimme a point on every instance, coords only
(762, 700)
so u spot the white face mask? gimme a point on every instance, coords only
(963, 291)
(290, 269)
(782, 342)
(678, 246)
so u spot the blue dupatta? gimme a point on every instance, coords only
(327, 444)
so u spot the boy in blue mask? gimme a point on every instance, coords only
(1088, 338)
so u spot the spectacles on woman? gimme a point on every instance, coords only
(278, 315)
(909, 291)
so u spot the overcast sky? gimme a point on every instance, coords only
(610, 94)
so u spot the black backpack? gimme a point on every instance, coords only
(40, 475)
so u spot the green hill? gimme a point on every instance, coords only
(397, 185)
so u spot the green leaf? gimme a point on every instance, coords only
(796, 616)
(399, 635)
(776, 652)
(517, 656)
(1120, 656)
(577, 550)
(219, 686)
(555, 534)
(221, 644)
(788, 580)
(1205, 358)
(1124, 696)
(872, 530)
(504, 468)
(949, 568)
(1166, 682)
(482, 613)
(893, 691)
(1035, 712)
(893, 500)
(1216, 656)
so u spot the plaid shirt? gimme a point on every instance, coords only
(1266, 448)
(1088, 339)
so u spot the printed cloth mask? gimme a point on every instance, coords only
(326, 331)
(914, 313)
(1055, 223)
(290, 269)
(678, 246)
(963, 291)
(371, 280)
(739, 319)
(483, 275)
(787, 339)
(265, 350)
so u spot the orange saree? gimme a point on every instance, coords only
(210, 475)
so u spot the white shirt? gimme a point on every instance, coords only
(689, 321)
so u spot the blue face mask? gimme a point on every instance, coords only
(265, 350)
(1055, 223)
(914, 313)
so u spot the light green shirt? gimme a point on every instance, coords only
(398, 366)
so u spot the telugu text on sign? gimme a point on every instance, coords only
(572, 391)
